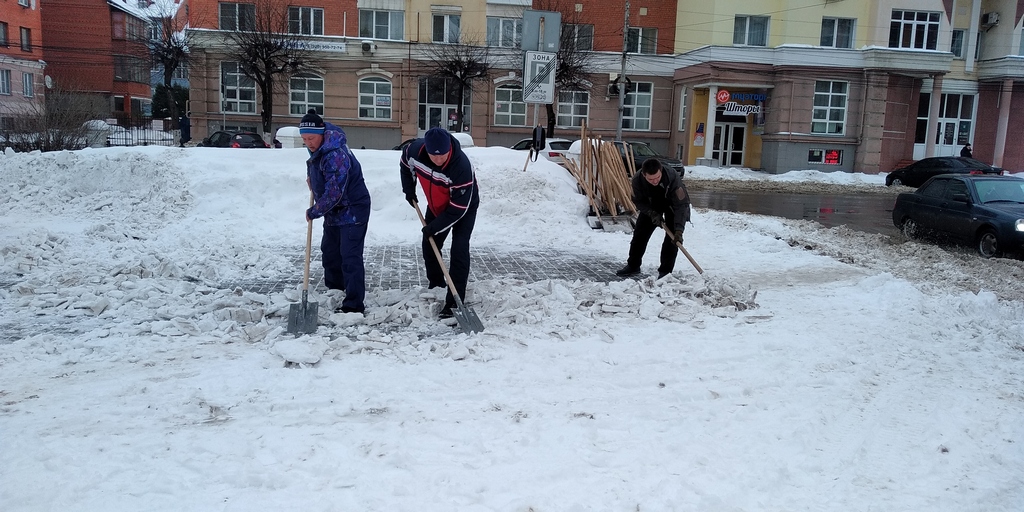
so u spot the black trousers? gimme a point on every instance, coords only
(459, 265)
(642, 234)
(342, 248)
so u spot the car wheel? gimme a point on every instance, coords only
(988, 244)
(911, 229)
(896, 182)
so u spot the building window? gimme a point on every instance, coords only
(26, 39)
(23, 3)
(509, 109)
(829, 113)
(4, 40)
(825, 156)
(578, 36)
(573, 108)
(956, 44)
(28, 83)
(914, 29)
(5, 81)
(238, 92)
(439, 103)
(955, 123)
(504, 32)
(382, 24)
(305, 91)
(642, 40)
(129, 68)
(750, 30)
(636, 114)
(306, 20)
(237, 16)
(446, 28)
(837, 32)
(375, 99)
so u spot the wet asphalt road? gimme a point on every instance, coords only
(870, 213)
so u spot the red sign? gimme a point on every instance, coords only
(723, 96)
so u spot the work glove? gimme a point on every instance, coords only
(427, 230)
(411, 198)
(678, 236)
(655, 217)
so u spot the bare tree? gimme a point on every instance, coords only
(170, 47)
(267, 53)
(574, 53)
(59, 123)
(458, 64)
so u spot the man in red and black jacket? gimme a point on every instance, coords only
(453, 197)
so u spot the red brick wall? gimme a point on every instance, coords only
(341, 17)
(17, 17)
(78, 43)
(608, 18)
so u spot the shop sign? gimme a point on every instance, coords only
(735, 109)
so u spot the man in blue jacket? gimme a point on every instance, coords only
(446, 176)
(340, 197)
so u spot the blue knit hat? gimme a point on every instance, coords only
(437, 140)
(311, 123)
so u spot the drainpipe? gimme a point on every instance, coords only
(1005, 95)
(933, 117)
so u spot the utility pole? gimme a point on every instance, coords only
(622, 74)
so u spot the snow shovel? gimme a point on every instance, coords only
(466, 317)
(679, 244)
(302, 317)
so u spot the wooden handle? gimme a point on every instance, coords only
(309, 247)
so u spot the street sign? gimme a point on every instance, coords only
(539, 77)
(541, 30)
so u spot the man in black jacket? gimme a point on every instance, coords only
(659, 196)
(453, 197)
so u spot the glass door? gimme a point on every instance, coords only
(728, 144)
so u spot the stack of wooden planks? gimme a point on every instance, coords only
(602, 176)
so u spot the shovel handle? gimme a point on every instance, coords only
(437, 253)
(309, 249)
(679, 244)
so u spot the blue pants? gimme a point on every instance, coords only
(342, 248)
(459, 268)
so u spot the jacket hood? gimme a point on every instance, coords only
(334, 138)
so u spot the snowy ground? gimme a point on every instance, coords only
(806, 369)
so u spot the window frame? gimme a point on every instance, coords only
(240, 87)
(572, 105)
(511, 105)
(447, 28)
(5, 82)
(571, 36)
(746, 19)
(26, 39)
(828, 109)
(956, 44)
(28, 85)
(504, 25)
(395, 22)
(238, 17)
(305, 15)
(641, 40)
(632, 117)
(300, 107)
(909, 33)
(374, 97)
(835, 34)
(5, 39)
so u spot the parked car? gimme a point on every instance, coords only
(224, 139)
(642, 151)
(980, 209)
(121, 136)
(554, 148)
(918, 172)
(405, 143)
(465, 141)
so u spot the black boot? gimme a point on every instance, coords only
(628, 271)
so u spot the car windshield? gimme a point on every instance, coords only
(643, 150)
(992, 191)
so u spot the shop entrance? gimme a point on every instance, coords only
(728, 144)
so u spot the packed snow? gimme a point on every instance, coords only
(806, 368)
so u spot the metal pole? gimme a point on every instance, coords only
(622, 75)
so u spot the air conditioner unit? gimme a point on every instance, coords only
(990, 19)
(369, 46)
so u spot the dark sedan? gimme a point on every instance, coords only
(918, 172)
(983, 210)
(224, 139)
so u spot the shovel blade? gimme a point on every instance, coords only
(467, 318)
(302, 317)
